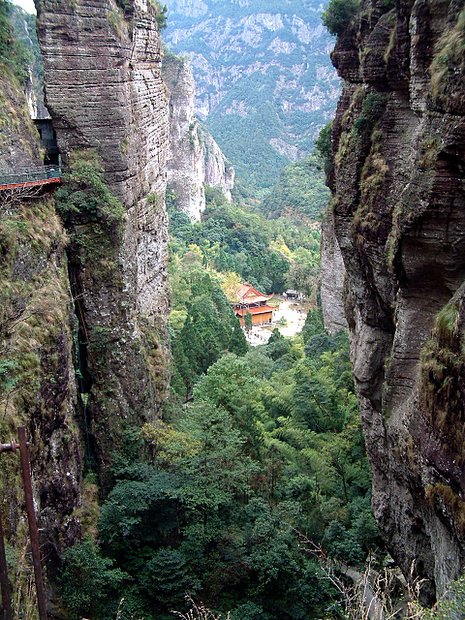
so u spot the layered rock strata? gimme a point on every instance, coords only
(195, 160)
(108, 103)
(399, 217)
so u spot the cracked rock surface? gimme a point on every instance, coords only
(106, 96)
(399, 220)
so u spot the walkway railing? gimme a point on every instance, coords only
(30, 176)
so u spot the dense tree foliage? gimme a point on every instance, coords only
(300, 193)
(269, 448)
(202, 325)
(89, 583)
(15, 57)
(230, 244)
(339, 14)
(270, 254)
(258, 449)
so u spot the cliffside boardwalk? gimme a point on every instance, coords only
(30, 177)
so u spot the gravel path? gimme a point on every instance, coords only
(294, 313)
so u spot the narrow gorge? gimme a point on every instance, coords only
(178, 469)
(85, 301)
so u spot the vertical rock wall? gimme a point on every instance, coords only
(333, 276)
(108, 103)
(195, 159)
(218, 172)
(37, 379)
(399, 216)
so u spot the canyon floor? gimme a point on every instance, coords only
(289, 319)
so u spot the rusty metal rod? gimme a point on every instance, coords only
(31, 518)
(7, 611)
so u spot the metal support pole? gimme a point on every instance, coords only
(31, 518)
(7, 612)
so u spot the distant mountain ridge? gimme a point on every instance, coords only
(265, 84)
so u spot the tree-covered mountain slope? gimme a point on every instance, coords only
(265, 85)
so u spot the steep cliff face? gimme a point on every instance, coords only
(218, 172)
(108, 102)
(20, 146)
(195, 160)
(332, 278)
(24, 28)
(37, 379)
(399, 142)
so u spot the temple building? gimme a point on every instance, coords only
(249, 300)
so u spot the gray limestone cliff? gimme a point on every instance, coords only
(84, 295)
(399, 217)
(195, 160)
(333, 275)
(108, 103)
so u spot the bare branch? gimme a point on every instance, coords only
(12, 198)
(198, 612)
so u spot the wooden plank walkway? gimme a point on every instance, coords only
(32, 177)
(56, 180)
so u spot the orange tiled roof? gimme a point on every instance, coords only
(248, 294)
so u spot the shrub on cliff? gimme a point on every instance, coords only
(161, 13)
(323, 143)
(84, 195)
(324, 147)
(339, 14)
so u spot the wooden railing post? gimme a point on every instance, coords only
(32, 522)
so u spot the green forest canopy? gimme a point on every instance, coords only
(258, 450)
(269, 447)
(15, 57)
